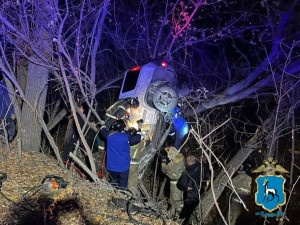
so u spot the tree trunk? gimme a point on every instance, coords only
(22, 72)
(36, 90)
(221, 180)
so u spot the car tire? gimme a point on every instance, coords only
(165, 98)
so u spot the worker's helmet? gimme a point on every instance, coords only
(172, 152)
(118, 125)
(134, 103)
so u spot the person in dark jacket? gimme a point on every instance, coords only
(121, 109)
(72, 133)
(189, 182)
(89, 134)
(93, 140)
(7, 115)
(70, 140)
(118, 152)
(180, 127)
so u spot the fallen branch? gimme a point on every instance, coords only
(84, 167)
(222, 179)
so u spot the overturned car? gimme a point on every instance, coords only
(154, 85)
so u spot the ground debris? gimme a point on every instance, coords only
(82, 202)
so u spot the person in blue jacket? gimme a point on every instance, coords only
(7, 114)
(180, 127)
(118, 152)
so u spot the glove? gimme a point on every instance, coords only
(140, 124)
(143, 133)
(167, 117)
(164, 160)
(146, 137)
(100, 124)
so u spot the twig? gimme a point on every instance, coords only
(221, 164)
(288, 201)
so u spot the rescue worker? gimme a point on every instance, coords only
(118, 152)
(90, 135)
(173, 169)
(121, 110)
(242, 184)
(93, 140)
(189, 182)
(135, 155)
(7, 115)
(180, 127)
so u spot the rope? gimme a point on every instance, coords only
(102, 167)
(101, 174)
(78, 170)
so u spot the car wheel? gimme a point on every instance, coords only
(165, 98)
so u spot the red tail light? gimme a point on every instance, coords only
(164, 64)
(136, 68)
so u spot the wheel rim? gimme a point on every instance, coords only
(165, 99)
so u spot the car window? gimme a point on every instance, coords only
(164, 74)
(130, 80)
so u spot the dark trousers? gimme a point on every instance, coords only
(69, 146)
(119, 179)
(188, 208)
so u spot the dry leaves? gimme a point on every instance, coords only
(91, 200)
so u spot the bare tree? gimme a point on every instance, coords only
(224, 52)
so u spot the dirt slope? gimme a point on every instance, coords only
(82, 202)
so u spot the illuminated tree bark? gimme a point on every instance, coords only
(35, 93)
